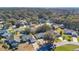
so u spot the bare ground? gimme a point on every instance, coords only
(21, 47)
(2, 49)
(25, 47)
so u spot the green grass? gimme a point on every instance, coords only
(66, 48)
(57, 40)
(78, 39)
(67, 37)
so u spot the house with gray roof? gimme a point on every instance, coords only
(40, 35)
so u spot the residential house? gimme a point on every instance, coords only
(1, 23)
(47, 47)
(68, 32)
(61, 26)
(40, 35)
(72, 33)
(28, 38)
(74, 37)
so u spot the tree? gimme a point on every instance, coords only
(68, 37)
(43, 28)
(26, 31)
(49, 37)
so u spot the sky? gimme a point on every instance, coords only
(39, 3)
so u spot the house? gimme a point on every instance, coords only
(49, 24)
(32, 39)
(40, 41)
(17, 36)
(2, 39)
(72, 33)
(57, 34)
(18, 24)
(55, 26)
(74, 37)
(5, 26)
(2, 32)
(42, 20)
(35, 46)
(6, 35)
(61, 26)
(23, 22)
(13, 45)
(28, 38)
(40, 35)
(68, 32)
(24, 38)
(47, 47)
(22, 28)
(10, 30)
(14, 26)
(1, 23)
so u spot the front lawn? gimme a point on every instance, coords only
(78, 39)
(66, 47)
(57, 40)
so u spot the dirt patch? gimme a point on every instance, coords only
(25, 47)
(21, 47)
(2, 49)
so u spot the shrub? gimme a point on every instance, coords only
(78, 39)
(57, 40)
(68, 37)
(49, 37)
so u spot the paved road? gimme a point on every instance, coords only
(64, 43)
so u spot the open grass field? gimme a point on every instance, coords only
(66, 48)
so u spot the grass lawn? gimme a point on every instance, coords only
(66, 48)
(78, 39)
(57, 40)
